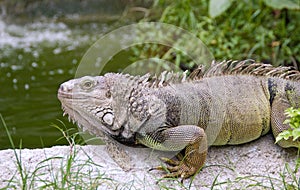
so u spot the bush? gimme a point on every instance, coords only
(248, 29)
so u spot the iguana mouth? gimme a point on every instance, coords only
(63, 95)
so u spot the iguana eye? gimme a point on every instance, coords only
(87, 84)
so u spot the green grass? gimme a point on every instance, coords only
(248, 29)
(72, 173)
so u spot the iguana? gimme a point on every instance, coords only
(233, 102)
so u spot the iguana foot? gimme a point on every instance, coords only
(176, 168)
(192, 149)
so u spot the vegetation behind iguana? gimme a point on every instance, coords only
(231, 103)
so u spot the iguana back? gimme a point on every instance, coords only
(235, 112)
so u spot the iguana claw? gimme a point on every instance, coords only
(170, 161)
(176, 168)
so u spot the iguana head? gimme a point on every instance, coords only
(88, 100)
(101, 102)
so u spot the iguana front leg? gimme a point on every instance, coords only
(191, 138)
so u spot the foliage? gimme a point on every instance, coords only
(279, 4)
(294, 132)
(294, 122)
(217, 7)
(248, 29)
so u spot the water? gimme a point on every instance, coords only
(35, 58)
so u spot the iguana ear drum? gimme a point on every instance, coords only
(108, 118)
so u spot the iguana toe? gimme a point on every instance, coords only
(170, 161)
(182, 171)
(176, 169)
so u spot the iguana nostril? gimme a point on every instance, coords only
(66, 87)
(62, 87)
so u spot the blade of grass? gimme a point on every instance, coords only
(18, 159)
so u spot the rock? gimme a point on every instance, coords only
(257, 165)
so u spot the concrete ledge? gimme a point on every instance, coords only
(260, 163)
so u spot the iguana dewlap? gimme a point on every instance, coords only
(231, 103)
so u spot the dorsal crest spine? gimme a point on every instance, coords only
(245, 67)
(223, 68)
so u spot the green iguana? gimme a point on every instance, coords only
(231, 103)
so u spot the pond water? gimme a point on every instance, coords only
(38, 54)
(35, 58)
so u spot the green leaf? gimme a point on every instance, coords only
(296, 133)
(283, 135)
(287, 121)
(217, 7)
(280, 4)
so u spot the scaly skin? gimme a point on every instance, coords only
(232, 103)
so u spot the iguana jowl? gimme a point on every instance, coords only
(231, 103)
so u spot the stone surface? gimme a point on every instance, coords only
(256, 165)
